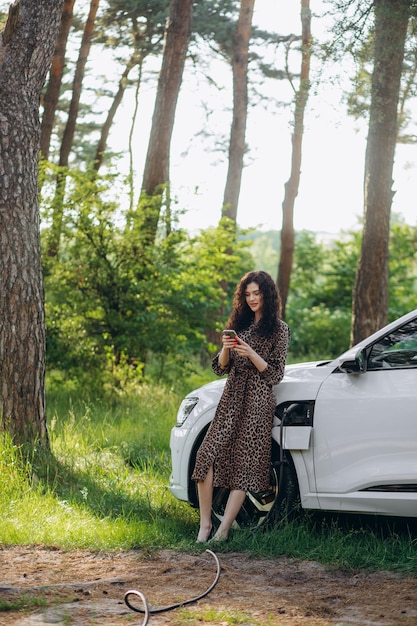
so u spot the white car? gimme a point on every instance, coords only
(344, 437)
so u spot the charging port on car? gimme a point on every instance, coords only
(296, 413)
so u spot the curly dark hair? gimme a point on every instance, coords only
(241, 316)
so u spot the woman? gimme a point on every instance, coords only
(236, 451)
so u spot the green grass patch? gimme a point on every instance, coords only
(22, 602)
(207, 615)
(104, 486)
(348, 542)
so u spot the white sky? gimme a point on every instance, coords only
(330, 196)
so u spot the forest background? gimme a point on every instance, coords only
(130, 292)
(110, 304)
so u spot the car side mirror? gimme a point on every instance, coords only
(356, 365)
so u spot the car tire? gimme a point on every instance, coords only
(261, 509)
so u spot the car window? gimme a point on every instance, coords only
(398, 349)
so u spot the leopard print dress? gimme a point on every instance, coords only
(238, 441)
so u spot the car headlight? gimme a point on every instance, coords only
(185, 409)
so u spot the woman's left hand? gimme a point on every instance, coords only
(243, 349)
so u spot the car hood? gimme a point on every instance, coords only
(308, 376)
(303, 380)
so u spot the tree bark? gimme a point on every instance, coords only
(156, 171)
(370, 298)
(50, 101)
(69, 131)
(25, 57)
(292, 185)
(240, 109)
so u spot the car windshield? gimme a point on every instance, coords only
(398, 349)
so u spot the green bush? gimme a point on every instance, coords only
(318, 333)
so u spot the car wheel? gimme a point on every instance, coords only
(264, 507)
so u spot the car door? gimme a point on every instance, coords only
(365, 430)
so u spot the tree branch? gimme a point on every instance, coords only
(11, 23)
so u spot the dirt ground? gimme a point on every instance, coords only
(86, 588)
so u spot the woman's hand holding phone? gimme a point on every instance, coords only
(229, 338)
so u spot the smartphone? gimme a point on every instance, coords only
(230, 333)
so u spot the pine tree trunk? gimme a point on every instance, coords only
(51, 98)
(240, 109)
(69, 131)
(156, 171)
(292, 185)
(370, 298)
(25, 56)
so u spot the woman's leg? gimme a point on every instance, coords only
(233, 506)
(205, 500)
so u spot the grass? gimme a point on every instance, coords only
(348, 542)
(214, 616)
(104, 487)
(23, 602)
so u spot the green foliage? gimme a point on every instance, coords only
(319, 333)
(114, 302)
(402, 269)
(216, 22)
(320, 300)
(264, 248)
(360, 42)
(119, 311)
(359, 99)
(138, 23)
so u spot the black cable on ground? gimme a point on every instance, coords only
(147, 611)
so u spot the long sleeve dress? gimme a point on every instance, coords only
(238, 441)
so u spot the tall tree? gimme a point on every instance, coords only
(69, 131)
(240, 60)
(370, 298)
(292, 185)
(26, 48)
(156, 171)
(85, 47)
(137, 25)
(51, 97)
